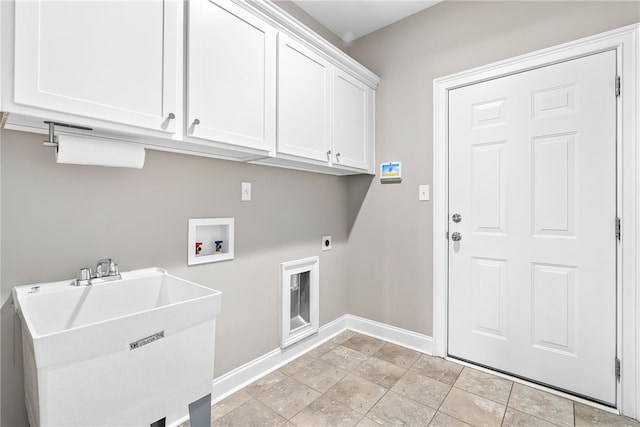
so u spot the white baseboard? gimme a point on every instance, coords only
(234, 380)
(392, 334)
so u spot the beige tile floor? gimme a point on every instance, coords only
(356, 380)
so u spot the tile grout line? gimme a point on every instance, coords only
(387, 390)
(506, 406)
(445, 398)
(384, 394)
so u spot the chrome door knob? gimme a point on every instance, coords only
(456, 237)
(456, 218)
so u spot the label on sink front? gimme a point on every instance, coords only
(146, 340)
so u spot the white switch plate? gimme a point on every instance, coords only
(326, 243)
(423, 192)
(246, 192)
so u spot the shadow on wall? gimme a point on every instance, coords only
(358, 188)
(11, 369)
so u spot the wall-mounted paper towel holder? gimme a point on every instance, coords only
(53, 139)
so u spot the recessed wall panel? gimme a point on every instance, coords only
(488, 288)
(488, 197)
(488, 113)
(554, 307)
(553, 101)
(553, 185)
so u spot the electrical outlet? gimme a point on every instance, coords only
(326, 243)
(246, 192)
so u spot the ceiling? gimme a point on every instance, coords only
(352, 19)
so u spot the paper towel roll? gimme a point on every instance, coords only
(79, 150)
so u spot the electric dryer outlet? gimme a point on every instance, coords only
(326, 243)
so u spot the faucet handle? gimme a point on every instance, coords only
(84, 274)
(83, 277)
(114, 269)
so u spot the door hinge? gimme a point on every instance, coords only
(446, 236)
(618, 85)
(617, 368)
(618, 228)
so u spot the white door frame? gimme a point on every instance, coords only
(626, 41)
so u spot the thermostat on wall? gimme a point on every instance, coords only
(391, 172)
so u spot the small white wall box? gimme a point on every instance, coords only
(299, 294)
(391, 172)
(210, 240)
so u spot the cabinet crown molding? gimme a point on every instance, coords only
(284, 21)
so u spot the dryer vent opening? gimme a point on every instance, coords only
(300, 301)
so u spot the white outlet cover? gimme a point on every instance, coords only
(326, 243)
(246, 192)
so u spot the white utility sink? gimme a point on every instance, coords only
(125, 352)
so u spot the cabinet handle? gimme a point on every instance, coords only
(196, 122)
(337, 155)
(329, 153)
(171, 116)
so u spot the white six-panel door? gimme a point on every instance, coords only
(532, 174)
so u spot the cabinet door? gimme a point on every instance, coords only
(108, 60)
(352, 121)
(232, 75)
(303, 101)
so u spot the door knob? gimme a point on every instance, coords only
(456, 218)
(456, 237)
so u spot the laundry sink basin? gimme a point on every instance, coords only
(126, 352)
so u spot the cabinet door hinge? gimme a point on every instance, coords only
(446, 236)
(618, 85)
(617, 368)
(618, 228)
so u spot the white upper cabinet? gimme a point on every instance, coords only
(231, 95)
(114, 61)
(233, 79)
(353, 127)
(304, 80)
(324, 113)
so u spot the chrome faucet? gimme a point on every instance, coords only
(106, 270)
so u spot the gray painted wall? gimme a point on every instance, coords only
(60, 217)
(391, 233)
